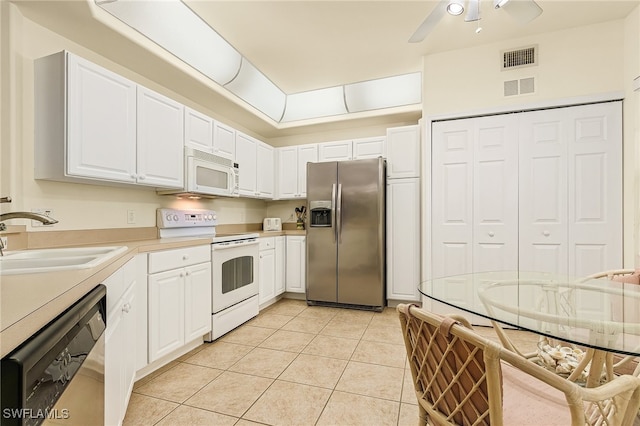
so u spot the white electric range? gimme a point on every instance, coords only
(234, 266)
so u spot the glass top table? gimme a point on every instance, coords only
(595, 313)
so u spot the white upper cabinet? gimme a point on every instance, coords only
(356, 149)
(292, 169)
(368, 148)
(335, 151)
(246, 157)
(403, 152)
(224, 141)
(93, 125)
(98, 111)
(306, 154)
(160, 140)
(205, 134)
(198, 130)
(265, 171)
(287, 172)
(256, 167)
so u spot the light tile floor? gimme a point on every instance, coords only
(291, 365)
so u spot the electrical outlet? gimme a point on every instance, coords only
(5, 243)
(131, 217)
(44, 211)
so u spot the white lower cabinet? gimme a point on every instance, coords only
(296, 264)
(120, 342)
(179, 298)
(267, 275)
(403, 239)
(272, 261)
(280, 265)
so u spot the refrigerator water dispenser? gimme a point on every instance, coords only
(320, 213)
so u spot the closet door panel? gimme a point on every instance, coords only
(495, 194)
(543, 192)
(452, 189)
(595, 174)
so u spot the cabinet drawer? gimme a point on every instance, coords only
(267, 243)
(178, 258)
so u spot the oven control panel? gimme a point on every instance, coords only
(174, 218)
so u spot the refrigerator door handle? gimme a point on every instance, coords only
(333, 213)
(339, 214)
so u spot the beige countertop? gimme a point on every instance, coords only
(29, 301)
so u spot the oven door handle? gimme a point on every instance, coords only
(223, 246)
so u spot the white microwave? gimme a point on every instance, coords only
(208, 174)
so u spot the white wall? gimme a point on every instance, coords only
(575, 63)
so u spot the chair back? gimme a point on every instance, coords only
(457, 376)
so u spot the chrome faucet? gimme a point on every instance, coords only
(46, 220)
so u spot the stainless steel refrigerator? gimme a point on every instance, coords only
(346, 233)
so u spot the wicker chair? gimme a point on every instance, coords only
(615, 363)
(461, 378)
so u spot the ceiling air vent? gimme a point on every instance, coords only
(524, 57)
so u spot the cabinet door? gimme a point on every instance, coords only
(280, 264)
(198, 130)
(224, 141)
(265, 170)
(288, 175)
(246, 157)
(306, 154)
(295, 268)
(335, 151)
(166, 313)
(129, 315)
(403, 239)
(114, 359)
(368, 148)
(197, 296)
(160, 140)
(403, 152)
(267, 275)
(101, 123)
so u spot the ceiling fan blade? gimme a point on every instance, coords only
(473, 11)
(523, 11)
(429, 22)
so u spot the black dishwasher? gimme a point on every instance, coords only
(57, 376)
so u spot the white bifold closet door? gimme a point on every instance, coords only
(475, 195)
(571, 189)
(531, 191)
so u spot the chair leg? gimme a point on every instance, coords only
(422, 416)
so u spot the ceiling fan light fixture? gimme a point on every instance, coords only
(499, 3)
(455, 7)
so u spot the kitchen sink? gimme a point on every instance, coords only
(59, 259)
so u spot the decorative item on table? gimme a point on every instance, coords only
(562, 360)
(301, 214)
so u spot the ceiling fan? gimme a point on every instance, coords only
(523, 11)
